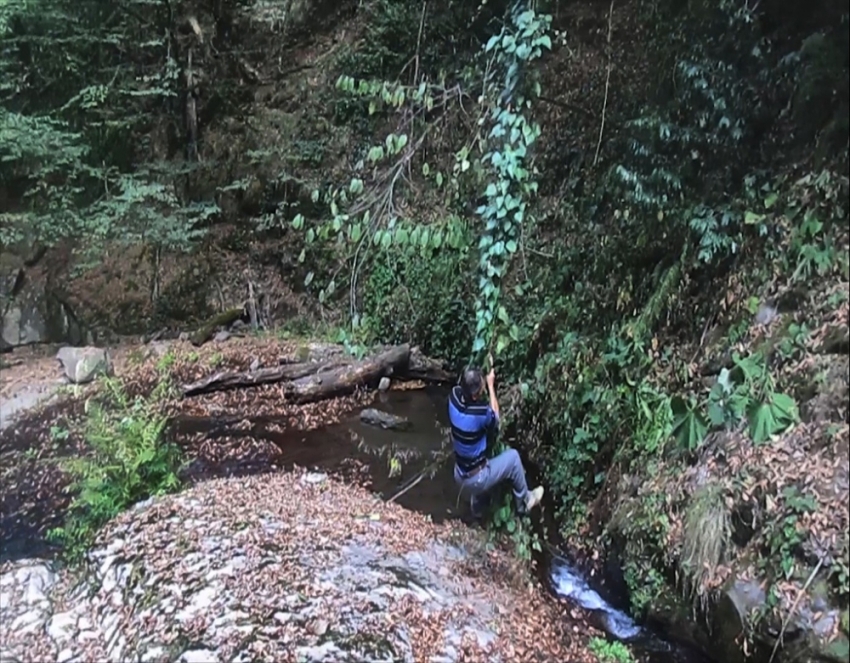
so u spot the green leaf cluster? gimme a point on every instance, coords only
(744, 394)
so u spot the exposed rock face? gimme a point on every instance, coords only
(281, 567)
(30, 313)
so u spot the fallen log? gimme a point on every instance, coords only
(311, 381)
(224, 380)
(415, 366)
(425, 368)
(347, 378)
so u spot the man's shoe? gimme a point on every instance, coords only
(534, 497)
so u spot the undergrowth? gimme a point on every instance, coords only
(610, 652)
(128, 460)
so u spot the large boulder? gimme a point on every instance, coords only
(83, 365)
(286, 567)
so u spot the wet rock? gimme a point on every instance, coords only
(384, 420)
(82, 365)
(62, 626)
(384, 384)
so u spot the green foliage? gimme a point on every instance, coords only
(609, 652)
(785, 533)
(67, 128)
(509, 141)
(424, 297)
(403, 37)
(128, 460)
(641, 526)
(744, 393)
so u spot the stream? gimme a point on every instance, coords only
(333, 448)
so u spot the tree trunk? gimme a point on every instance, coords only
(331, 375)
(225, 380)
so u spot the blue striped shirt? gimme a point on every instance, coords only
(470, 424)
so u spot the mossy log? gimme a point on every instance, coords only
(223, 319)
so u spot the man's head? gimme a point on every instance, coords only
(471, 383)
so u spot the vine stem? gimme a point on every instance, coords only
(607, 86)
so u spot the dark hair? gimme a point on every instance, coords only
(471, 383)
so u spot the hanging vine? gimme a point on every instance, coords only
(509, 141)
(365, 213)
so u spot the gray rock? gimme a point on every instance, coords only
(30, 314)
(384, 384)
(62, 626)
(326, 653)
(84, 364)
(199, 656)
(766, 314)
(66, 656)
(221, 336)
(384, 420)
(314, 477)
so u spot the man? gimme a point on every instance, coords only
(472, 420)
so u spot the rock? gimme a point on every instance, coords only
(199, 656)
(30, 312)
(384, 384)
(261, 568)
(65, 656)
(326, 653)
(62, 626)
(84, 364)
(221, 337)
(384, 420)
(766, 314)
(314, 477)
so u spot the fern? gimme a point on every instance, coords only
(128, 460)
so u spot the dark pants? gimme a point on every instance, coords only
(507, 466)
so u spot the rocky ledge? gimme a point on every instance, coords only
(281, 567)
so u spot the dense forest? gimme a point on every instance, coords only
(639, 207)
